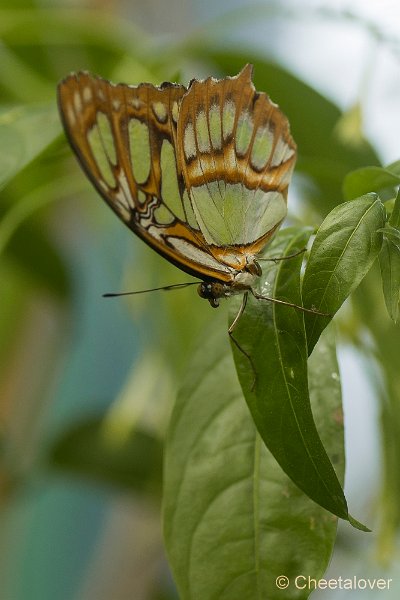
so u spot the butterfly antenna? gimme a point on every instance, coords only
(279, 258)
(165, 288)
(313, 311)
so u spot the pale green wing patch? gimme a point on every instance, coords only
(139, 144)
(209, 214)
(100, 156)
(282, 152)
(190, 216)
(163, 215)
(214, 117)
(221, 217)
(203, 137)
(170, 192)
(160, 111)
(244, 132)
(266, 211)
(189, 142)
(228, 118)
(141, 196)
(107, 137)
(262, 147)
(240, 217)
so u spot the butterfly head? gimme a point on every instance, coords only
(243, 280)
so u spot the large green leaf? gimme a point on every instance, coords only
(25, 131)
(394, 220)
(389, 259)
(233, 520)
(274, 337)
(346, 245)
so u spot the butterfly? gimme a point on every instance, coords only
(200, 173)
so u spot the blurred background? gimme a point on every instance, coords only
(86, 383)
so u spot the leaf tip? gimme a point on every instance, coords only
(358, 525)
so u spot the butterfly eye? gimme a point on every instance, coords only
(253, 267)
(205, 291)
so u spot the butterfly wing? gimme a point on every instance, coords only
(125, 138)
(200, 174)
(237, 158)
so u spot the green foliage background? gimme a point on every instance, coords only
(87, 385)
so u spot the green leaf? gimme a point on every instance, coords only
(346, 245)
(25, 131)
(394, 220)
(392, 233)
(274, 337)
(389, 260)
(95, 450)
(394, 167)
(233, 520)
(369, 179)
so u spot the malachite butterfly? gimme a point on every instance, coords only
(200, 173)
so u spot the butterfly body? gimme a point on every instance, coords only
(200, 173)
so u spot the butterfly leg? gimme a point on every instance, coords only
(240, 312)
(238, 346)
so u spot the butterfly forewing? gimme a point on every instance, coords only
(201, 174)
